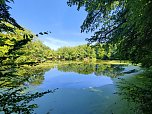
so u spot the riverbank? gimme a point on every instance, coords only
(137, 89)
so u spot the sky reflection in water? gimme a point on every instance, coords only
(58, 79)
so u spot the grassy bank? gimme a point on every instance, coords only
(138, 90)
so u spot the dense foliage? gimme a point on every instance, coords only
(34, 51)
(13, 38)
(76, 53)
(126, 23)
(85, 52)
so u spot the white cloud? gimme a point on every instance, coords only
(55, 43)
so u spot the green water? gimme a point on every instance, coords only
(80, 89)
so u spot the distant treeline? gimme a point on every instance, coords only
(86, 52)
(36, 51)
(22, 48)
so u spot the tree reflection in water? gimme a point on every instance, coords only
(138, 90)
(14, 100)
(98, 69)
(14, 82)
(13, 86)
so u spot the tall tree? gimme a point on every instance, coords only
(12, 38)
(127, 23)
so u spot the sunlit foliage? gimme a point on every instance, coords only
(13, 38)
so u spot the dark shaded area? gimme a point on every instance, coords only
(14, 94)
(139, 91)
(14, 101)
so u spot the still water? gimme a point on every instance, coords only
(79, 88)
(83, 89)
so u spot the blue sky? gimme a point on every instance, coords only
(51, 15)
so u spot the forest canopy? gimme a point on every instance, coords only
(126, 23)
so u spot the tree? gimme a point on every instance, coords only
(35, 51)
(76, 53)
(100, 52)
(127, 23)
(12, 38)
(12, 35)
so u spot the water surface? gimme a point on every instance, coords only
(77, 88)
(83, 89)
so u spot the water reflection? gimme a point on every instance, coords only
(23, 75)
(82, 75)
(14, 80)
(34, 75)
(14, 100)
(98, 69)
(57, 79)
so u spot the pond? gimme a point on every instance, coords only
(80, 88)
(83, 89)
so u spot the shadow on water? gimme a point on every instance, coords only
(14, 82)
(138, 90)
